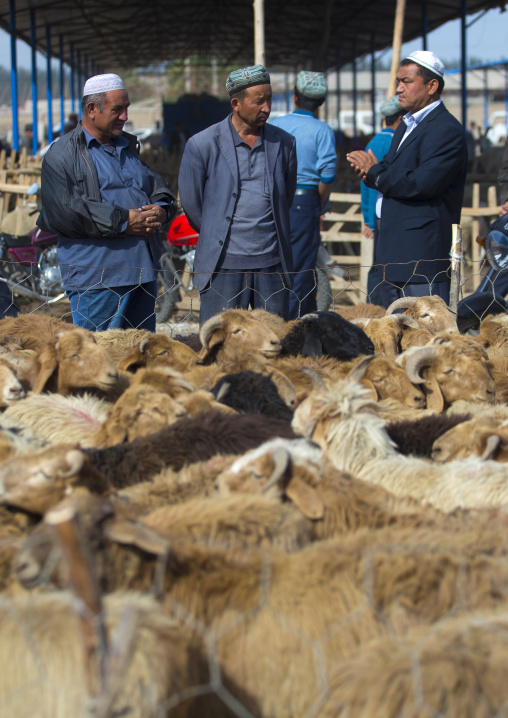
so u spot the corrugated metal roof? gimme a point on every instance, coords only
(120, 34)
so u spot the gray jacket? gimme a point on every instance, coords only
(70, 194)
(209, 185)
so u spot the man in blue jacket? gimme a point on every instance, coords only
(106, 207)
(317, 158)
(421, 180)
(237, 181)
(379, 144)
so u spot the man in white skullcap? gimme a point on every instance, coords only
(107, 208)
(237, 181)
(421, 180)
(317, 157)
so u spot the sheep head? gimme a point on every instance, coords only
(10, 387)
(386, 332)
(430, 312)
(75, 361)
(279, 469)
(234, 333)
(449, 371)
(480, 436)
(159, 350)
(386, 380)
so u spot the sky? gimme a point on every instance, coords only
(486, 39)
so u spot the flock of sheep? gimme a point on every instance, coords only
(272, 519)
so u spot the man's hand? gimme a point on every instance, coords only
(145, 220)
(367, 232)
(503, 209)
(362, 161)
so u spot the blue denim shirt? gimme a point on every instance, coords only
(124, 260)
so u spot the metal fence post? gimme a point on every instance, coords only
(456, 257)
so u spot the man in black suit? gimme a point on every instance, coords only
(420, 183)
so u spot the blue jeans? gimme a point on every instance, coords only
(234, 289)
(305, 240)
(114, 308)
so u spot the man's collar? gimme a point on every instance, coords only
(417, 117)
(237, 140)
(303, 112)
(119, 141)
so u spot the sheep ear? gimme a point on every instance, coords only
(301, 395)
(48, 365)
(214, 341)
(306, 498)
(367, 384)
(132, 363)
(124, 532)
(435, 399)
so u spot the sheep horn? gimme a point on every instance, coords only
(407, 321)
(358, 372)
(416, 361)
(402, 303)
(223, 391)
(491, 446)
(143, 345)
(281, 462)
(208, 328)
(312, 373)
(361, 321)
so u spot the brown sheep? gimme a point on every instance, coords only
(386, 332)
(450, 370)
(159, 350)
(494, 332)
(481, 436)
(74, 362)
(43, 668)
(233, 333)
(362, 310)
(430, 312)
(456, 669)
(32, 331)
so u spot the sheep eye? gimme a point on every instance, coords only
(73, 356)
(163, 353)
(237, 331)
(423, 316)
(449, 371)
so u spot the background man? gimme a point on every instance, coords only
(237, 181)
(317, 158)
(379, 144)
(107, 208)
(422, 181)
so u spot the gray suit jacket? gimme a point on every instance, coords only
(208, 184)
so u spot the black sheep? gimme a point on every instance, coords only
(326, 334)
(185, 442)
(415, 438)
(251, 392)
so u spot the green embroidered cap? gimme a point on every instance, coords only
(247, 77)
(311, 84)
(390, 106)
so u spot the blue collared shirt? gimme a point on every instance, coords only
(125, 260)
(413, 120)
(315, 147)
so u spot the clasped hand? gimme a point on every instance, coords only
(145, 220)
(362, 161)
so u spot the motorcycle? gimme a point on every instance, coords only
(490, 295)
(177, 262)
(29, 263)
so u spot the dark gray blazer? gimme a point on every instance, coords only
(208, 185)
(423, 187)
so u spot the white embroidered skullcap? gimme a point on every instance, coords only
(103, 83)
(427, 59)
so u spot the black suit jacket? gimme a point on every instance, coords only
(423, 187)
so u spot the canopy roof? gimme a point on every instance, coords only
(121, 34)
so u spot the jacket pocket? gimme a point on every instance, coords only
(417, 222)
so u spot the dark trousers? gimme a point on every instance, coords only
(115, 307)
(305, 239)
(390, 291)
(233, 289)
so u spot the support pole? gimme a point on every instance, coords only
(73, 85)
(398, 32)
(62, 86)
(14, 76)
(373, 81)
(355, 94)
(339, 97)
(33, 45)
(456, 257)
(463, 60)
(485, 99)
(425, 26)
(259, 32)
(78, 77)
(49, 93)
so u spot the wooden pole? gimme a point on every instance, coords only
(398, 31)
(456, 256)
(259, 32)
